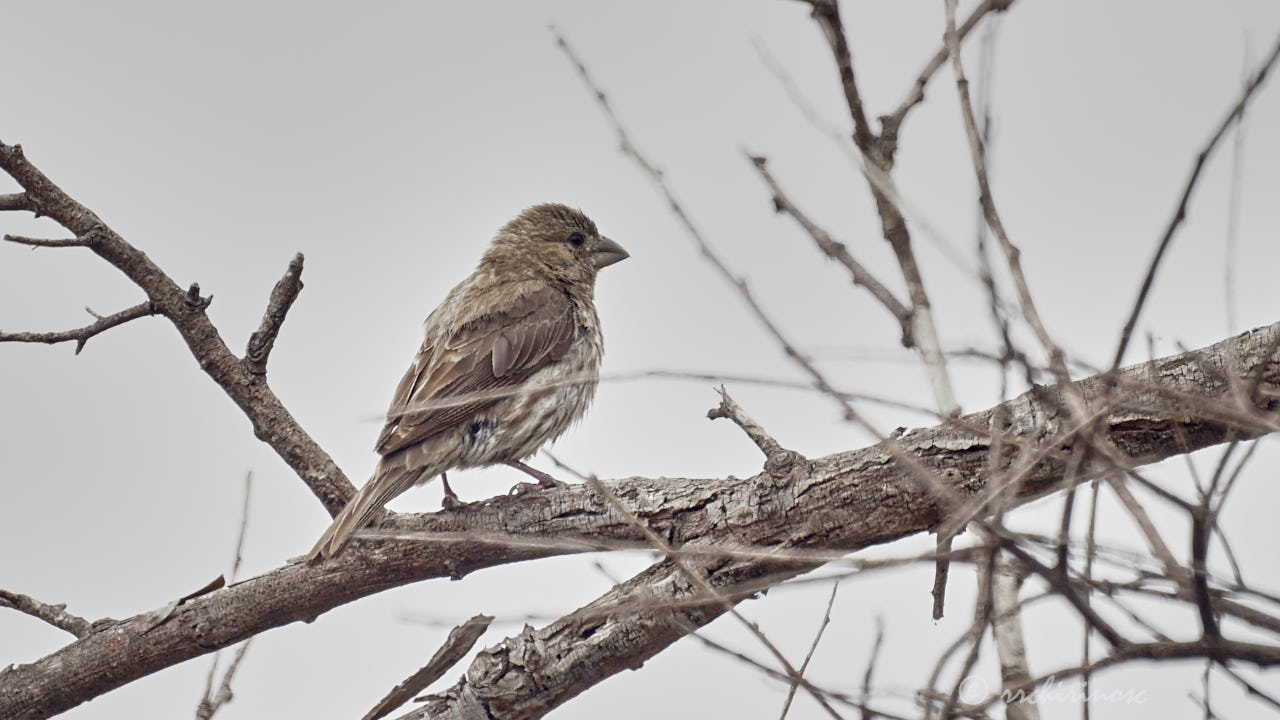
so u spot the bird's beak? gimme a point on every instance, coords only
(609, 252)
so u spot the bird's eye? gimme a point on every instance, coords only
(577, 239)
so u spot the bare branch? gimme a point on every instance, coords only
(656, 177)
(456, 646)
(609, 635)
(282, 296)
(1157, 544)
(977, 154)
(1006, 630)
(867, 166)
(1181, 212)
(868, 712)
(1261, 655)
(1233, 217)
(878, 153)
(827, 14)
(55, 615)
(271, 422)
(778, 460)
(1201, 525)
(244, 525)
(837, 251)
(891, 124)
(45, 242)
(212, 702)
(82, 335)
(18, 202)
(1253, 690)
(822, 627)
(871, 666)
(704, 587)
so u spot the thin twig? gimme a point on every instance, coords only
(837, 251)
(891, 124)
(822, 627)
(55, 615)
(978, 155)
(1181, 212)
(878, 150)
(941, 491)
(1250, 688)
(244, 525)
(82, 335)
(1201, 531)
(867, 711)
(47, 242)
(455, 647)
(778, 460)
(1159, 548)
(211, 704)
(981, 619)
(655, 175)
(1233, 218)
(871, 666)
(1262, 655)
(866, 166)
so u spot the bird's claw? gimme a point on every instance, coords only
(525, 488)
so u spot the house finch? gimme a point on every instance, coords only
(511, 358)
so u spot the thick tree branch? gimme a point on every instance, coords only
(272, 423)
(840, 502)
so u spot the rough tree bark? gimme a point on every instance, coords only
(745, 534)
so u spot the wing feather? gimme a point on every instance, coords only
(496, 351)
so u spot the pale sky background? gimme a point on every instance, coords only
(388, 142)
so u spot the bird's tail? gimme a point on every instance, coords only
(381, 488)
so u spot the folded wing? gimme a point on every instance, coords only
(467, 371)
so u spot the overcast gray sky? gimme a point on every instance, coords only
(388, 141)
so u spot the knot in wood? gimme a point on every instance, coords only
(194, 300)
(780, 461)
(199, 626)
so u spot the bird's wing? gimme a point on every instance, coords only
(466, 371)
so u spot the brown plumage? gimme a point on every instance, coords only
(510, 360)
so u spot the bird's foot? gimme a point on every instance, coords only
(525, 488)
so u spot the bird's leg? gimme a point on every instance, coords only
(545, 481)
(450, 500)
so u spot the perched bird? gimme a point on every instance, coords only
(510, 360)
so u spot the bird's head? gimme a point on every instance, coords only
(556, 241)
